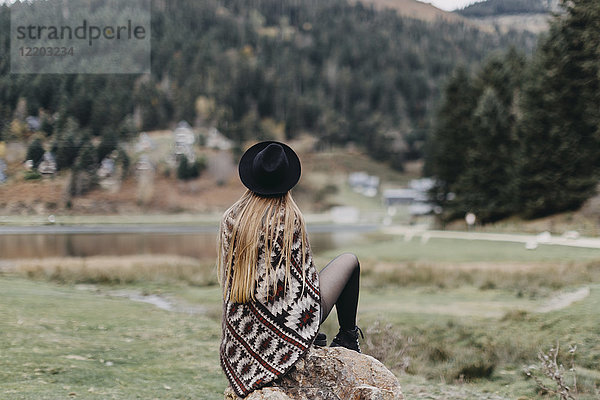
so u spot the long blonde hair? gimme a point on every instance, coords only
(257, 222)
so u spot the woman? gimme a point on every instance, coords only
(274, 299)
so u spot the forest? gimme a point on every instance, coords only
(504, 129)
(343, 73)
(503, 7)
(521, 136)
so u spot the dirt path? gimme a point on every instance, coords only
(564, 300)
(166, 303)
(425, 235)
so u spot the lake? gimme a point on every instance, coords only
(198, 242)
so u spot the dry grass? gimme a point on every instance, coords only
(387, 343)
(524, 277)
(118, 270)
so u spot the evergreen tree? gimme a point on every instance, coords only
(83, 177)
(47, 126)
(486, 187)
(123, 159)
(35, 152)
(66, 150)
(501, 7)
(451, 139)
(533, 138)
(183, 169)
(87, 159)
(504, 74)
(108, 144)
(5, 119)
(65, 146)
(559, 131)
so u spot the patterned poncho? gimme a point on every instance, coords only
(263, 339)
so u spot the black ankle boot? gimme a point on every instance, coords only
(348, 339)
(321, 340)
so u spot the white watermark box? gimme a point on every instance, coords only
(80, 36)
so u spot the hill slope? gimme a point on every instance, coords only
(518, 15)
(265, 69)
(509, 7)
(414, 9)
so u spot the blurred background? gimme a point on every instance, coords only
(454, 147)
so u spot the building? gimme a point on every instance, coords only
(33, 123)
(107, 168)
(184, 139)
(416, 197)
(47, 165)
(183, 134)
(402, 196)
(144, 164)
(363, 183)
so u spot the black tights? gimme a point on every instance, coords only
(339, 283)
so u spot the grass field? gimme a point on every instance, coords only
(383, 247)
(453, 320)
(60, 342)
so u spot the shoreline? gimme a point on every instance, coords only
(182, 219)
(166, 228)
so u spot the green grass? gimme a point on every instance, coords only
(448, 309)
(453, 319)
(344, 162)
(483, 265)
(396, 249)
(347, 197)
(488, 352)
(585, 221)
(398, 304)
(57, 340)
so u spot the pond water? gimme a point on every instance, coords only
(15, 244)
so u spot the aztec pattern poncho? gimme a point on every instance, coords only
(263, 339)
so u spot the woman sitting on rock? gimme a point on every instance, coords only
(274, 299)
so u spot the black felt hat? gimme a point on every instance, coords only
(269, 168)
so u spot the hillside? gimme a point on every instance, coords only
(506, 15)
(491, 8)
(414, 9)
(534, 23)
(323, 184)
(343, 73)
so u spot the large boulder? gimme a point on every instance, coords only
(331, 374)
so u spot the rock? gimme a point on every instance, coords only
(331, 374)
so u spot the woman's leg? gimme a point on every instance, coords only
(339, 284)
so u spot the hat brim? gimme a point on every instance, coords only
(290, 180)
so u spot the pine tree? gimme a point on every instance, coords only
(504, 74)
(66, 150)
(183, 169)
(35, 152)
(448, 146)
(559, 130)
(486, 188)
(109, 143)
(87, 159)
(83, 176)
(65, 146)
